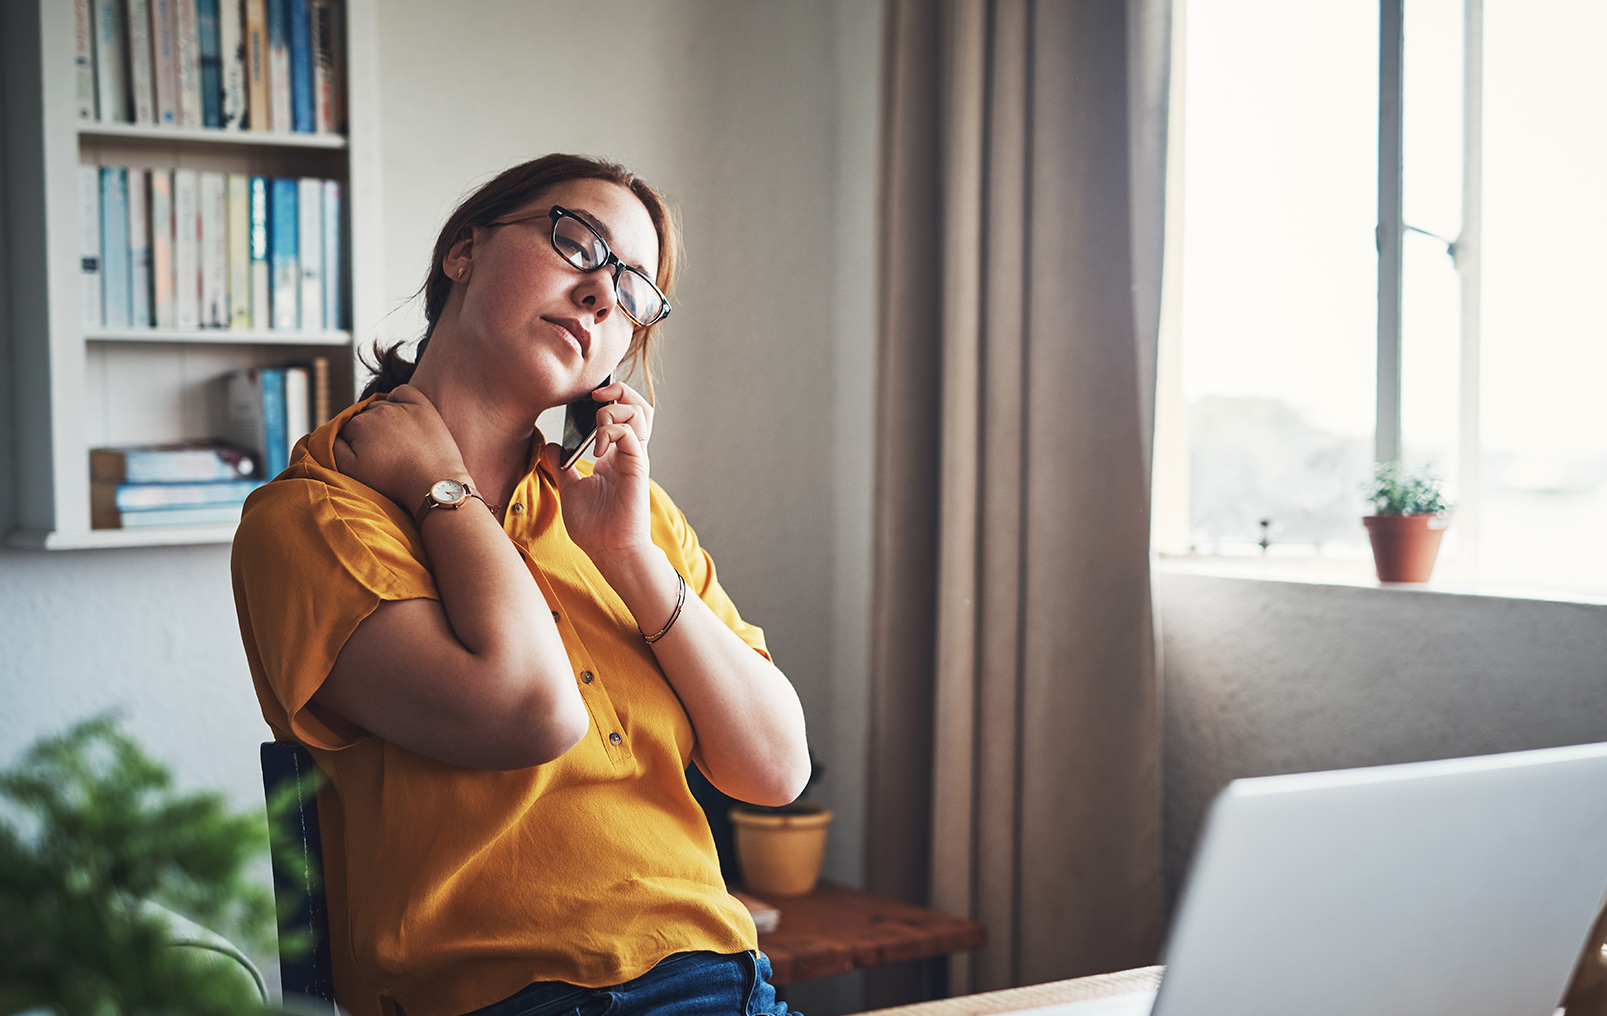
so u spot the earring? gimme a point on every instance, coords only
(462, 271)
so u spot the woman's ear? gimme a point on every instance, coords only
(458, 258)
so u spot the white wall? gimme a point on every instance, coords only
(1267, 677)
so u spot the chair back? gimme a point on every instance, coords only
(298, 887)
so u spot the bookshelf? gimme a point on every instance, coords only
(78, 387)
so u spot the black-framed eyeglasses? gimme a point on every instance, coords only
(580, 245)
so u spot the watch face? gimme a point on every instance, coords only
(448, 492)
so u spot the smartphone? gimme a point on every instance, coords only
(580, 425)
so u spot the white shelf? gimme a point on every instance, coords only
(211, 135)
(100, 539)
(220, 336)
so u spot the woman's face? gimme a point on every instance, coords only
(541, 319)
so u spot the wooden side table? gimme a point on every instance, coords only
(836, 929)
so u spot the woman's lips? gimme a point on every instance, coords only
(574, 331)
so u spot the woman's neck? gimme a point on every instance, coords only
(493, 438)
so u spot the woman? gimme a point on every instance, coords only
(503, 666)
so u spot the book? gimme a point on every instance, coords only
(89, 242)
(284, 255)
(325, 66)
(261, 278)
(256, 53)
(302, 119)
(211, 515)
(111, 73)
(239, 241)
(333, 266)
(115, 303)
(310, 233)
(766, 918)
(175, 462)
(187, 60)
(320, 392)
(211, 63)
(254, 415)
(279, 112)
(298, 407)
(186, 250)
(214, 250)
(141, 80)
(232, 64)
(136, 497)
(164, 63)
(163, 300)
(139, 248)
(84, 59)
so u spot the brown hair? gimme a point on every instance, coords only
(509, 191)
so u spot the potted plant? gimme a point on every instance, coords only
(1408, 521)
(780, 849)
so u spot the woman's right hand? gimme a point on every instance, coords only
(399, 445)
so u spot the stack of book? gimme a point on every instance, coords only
(185, 484)
(226, 64)
(186, 249)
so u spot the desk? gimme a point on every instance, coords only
(836, 929)
(1078, 989)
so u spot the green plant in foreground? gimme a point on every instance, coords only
(90, 827)
(1394, 492)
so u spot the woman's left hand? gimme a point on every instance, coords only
(606, 513)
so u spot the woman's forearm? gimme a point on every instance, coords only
(749, 723)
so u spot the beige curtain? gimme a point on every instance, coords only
(1015, 753)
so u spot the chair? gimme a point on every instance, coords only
(289, 774)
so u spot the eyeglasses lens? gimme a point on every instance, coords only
(583, 248)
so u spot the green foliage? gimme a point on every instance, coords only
(1394, 492)
(92, 828)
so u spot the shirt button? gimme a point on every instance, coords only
(585, 678)
(555, 615)
(614, 738)
(519, 508)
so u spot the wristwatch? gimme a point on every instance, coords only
(451, 494)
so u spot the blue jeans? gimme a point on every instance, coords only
(686, 984)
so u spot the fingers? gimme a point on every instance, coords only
(635, 416)
(621, 434)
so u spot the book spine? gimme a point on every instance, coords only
(134, 497)
(186, 253)
(210, 515)
(114, 245)
(111, 74)
(283, 255)
(310, 233)
(242, 413)
(298, 407)
(275, 445)
(320, 391)
(334, 268)
(141, 82)
(337, 50)
(139, 249)
(279, 116)
(231, 54)
(164, 63)
(89, 242)
(214, 251)
(84, 59)
(256, 41)
(261, 284)
(187, 49)
(321, 21)
(170, 465)
(211, 65)
(301, 96)
(162, 296)
(239, 232)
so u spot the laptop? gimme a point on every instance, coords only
(1463, 886)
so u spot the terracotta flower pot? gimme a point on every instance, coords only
(1404, 546)
(781, 852)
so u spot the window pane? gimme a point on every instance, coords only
(1280, 273)
(1544, 359)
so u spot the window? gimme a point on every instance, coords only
(1502, 349)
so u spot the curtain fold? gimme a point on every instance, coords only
(1015, 755)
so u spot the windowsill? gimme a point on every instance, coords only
(1351, 572)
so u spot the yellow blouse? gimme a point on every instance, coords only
(451, 888)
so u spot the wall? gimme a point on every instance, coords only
(1265, 677)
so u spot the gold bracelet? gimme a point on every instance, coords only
(680, 599)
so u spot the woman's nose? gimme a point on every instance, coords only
(595, 292)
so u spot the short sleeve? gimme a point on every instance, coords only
(311, 560)
(675, 537)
